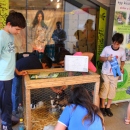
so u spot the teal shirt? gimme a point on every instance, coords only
(7, 56)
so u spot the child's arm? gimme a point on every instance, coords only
(20, 72)
(122, 65)
(109, 58)
(63, 87)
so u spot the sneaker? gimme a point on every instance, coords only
(108, 112)
(3, 127)
(6, 126)
(14, 120)
(15, 113)
(103, 111)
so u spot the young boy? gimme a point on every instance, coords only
(108, 88)
(15, 22)
(27, 63)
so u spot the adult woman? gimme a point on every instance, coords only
(39, 32)
(81, 113)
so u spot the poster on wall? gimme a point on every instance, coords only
(101, 37)
(4, 10)
(40, 27)
(122, 25)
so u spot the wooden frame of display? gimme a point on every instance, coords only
(54, 82)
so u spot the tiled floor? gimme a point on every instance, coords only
(117, 121)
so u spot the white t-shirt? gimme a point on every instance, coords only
(107, 51)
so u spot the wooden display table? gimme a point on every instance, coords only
(54, 82)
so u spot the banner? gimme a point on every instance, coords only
(101, 37)
(122, 25)
(4, 10)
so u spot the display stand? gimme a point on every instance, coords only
(54, 82)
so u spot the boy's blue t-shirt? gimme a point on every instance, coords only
(7, 56)
(72, 118)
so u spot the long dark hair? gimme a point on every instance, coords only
(35, 21)
(80, 96)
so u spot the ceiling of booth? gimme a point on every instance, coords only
(35, 4)
(52, 4)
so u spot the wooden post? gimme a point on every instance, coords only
(28, 110)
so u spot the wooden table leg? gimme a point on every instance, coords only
(28, 110)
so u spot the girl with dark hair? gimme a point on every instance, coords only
(81, 113)
(39, 32)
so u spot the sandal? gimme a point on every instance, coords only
(127, 122)
(108, 111)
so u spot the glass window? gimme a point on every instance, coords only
(56, 24)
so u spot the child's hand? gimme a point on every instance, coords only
(56, 90)
(109, 58)
(63, 87)
(22, 72)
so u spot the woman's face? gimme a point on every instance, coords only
(39, 18)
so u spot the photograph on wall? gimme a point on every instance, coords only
(120, 18)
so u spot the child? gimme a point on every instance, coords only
(15, 22)
(60, 61)
(108, 88)
(81, 113)
(27, 63)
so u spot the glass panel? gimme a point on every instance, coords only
(52, 27)
(20, 39)
(41, 24)
(79, 25)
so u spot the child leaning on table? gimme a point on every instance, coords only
(61, 62)
(108, 88)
